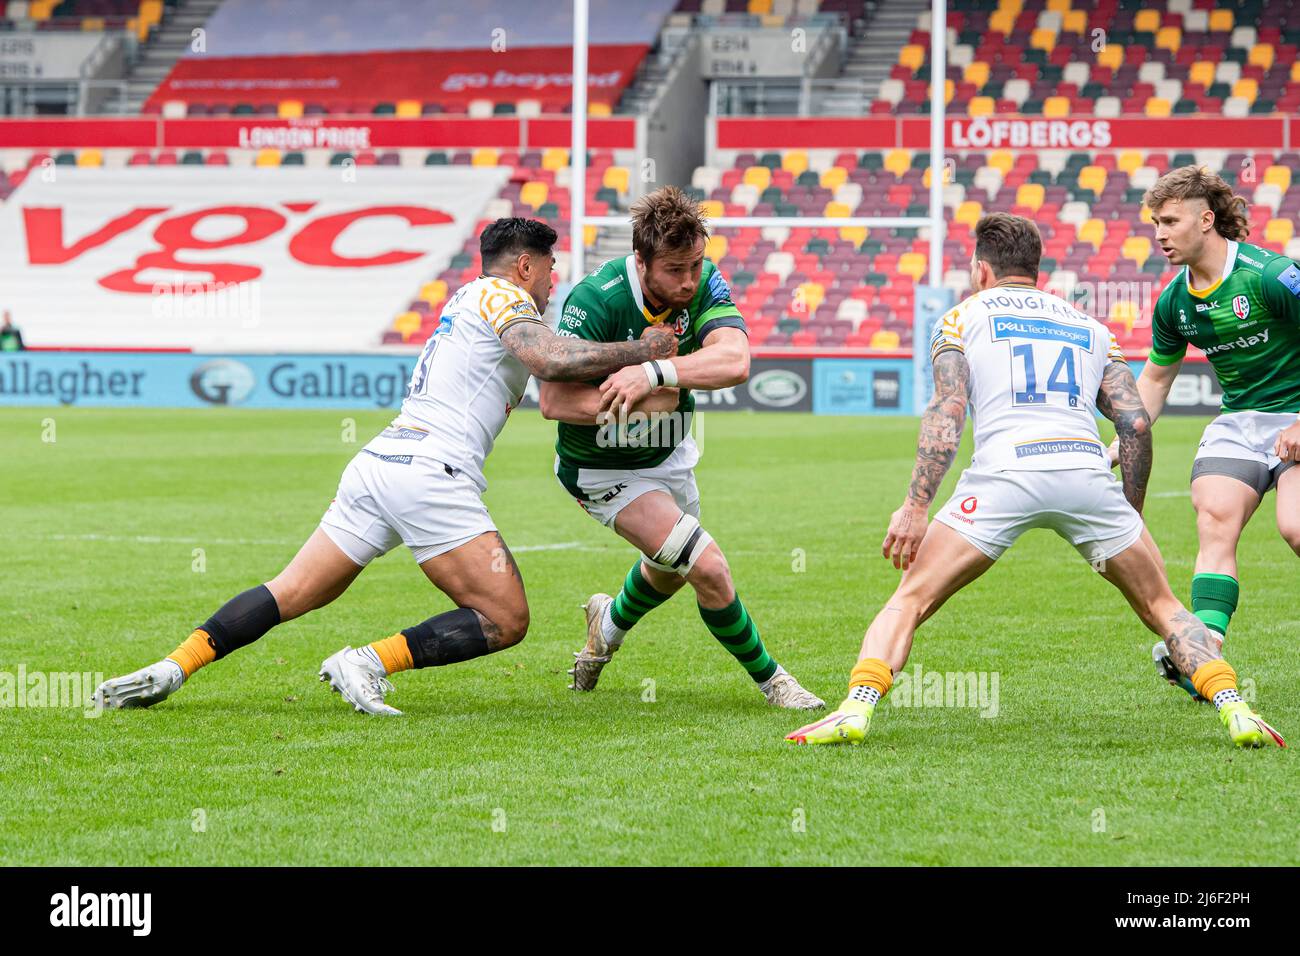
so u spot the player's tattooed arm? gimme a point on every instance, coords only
(1119, 400)
(563, 358)
(1190, 642)
(941, 426)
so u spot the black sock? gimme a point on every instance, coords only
(446, 639)
(242, 620)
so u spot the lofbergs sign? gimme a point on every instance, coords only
(221, 259)
(983, 133)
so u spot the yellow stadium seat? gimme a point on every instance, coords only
(408, 109)
(716, 247)
(484, 156)
(712, 208)
(1111, 55)
(1074, 21)
(1125, 313)
(588, 235)
(1137, 249)
(1001, 160)
(1055, 107)
(794, 162)
(968, 213)
(1147, 21)
(599, 109)
(1042, 39)
(1013, 7)
(898, 161)
(884, 340)
(1262, 55)
(854, 234)
(1129, 160)
(1145, 214)
(434, 292)
(40, 9)
(1031, 195)
(93, 24)
(1247, 88)
(408, 323)
(616, 178)
(1093, 231)
(835, 177)
(533, 193)
(759, 7)
(1279, 231)
(1059, 6)
(1003, 21)
(981, 106)
(1092, 177)
(837, 210)
(912, 56)
(1155, 106)
(760, 177)
(90, 157)
(1278, 176)
(1202, 72)
(1221, 21)
(977, 73)
(267, 157)
(555, 158)
(811, 294)
(949, 91)
(1295, 72)
(289, 109)
(1169, 38)
(912, 265)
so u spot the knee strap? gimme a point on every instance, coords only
(682, 548)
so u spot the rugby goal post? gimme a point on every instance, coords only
(928, 298)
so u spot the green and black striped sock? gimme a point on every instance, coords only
(635, 601)
(736, 631)
(1214, 600)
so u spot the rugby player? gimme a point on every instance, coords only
(420, 482)
(1034, 369)
(637, 476)
(1241, 305)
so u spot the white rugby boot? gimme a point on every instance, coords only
(595, 654)
(782, 690)
(359, 677)
(142, 688)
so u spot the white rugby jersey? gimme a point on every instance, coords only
(1036, 364)
(465, 383)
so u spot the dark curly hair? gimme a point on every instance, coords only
(1195, 182)
(509, 238)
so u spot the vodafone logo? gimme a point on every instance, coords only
(969, 505)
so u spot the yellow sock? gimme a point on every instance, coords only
(872, 672)
(194, 652)
(394, 653)
(1213, 677)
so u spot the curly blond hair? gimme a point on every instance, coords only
(1196, 182)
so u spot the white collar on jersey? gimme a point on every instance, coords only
(634, 285)
(1228, 262)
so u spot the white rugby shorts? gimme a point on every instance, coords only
(386, 499)
(1085, 506)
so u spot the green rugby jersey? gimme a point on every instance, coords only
(608, 306)
(1247, 323)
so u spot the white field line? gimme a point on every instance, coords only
(156, 539)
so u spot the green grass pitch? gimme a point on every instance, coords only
(1089, 760)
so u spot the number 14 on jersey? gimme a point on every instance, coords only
(1061, 383)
